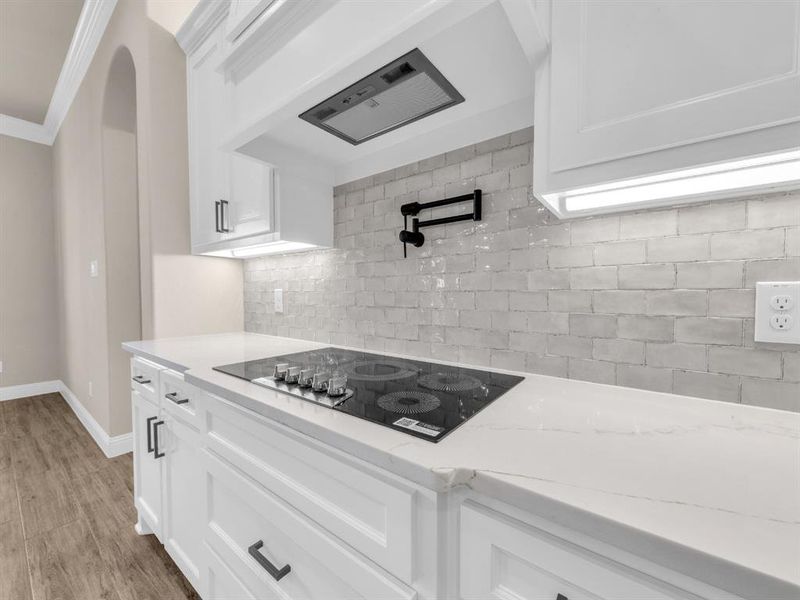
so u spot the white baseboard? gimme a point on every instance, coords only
(111, 446)
(12, 392)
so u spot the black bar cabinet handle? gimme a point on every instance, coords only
(174, 397)
(150, 447)
(140, 379)
(156, 453)
(216, 216)
(223, 221)
(277, 574)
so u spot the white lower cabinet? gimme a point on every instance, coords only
(146, 468)
(251, 510)
(167, 470)
(503, 558)
(275, 552)
(182, 495)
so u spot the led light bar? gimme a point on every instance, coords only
(740, 176)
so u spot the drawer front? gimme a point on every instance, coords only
(372, 515)
(244, 519)
(222, 583)
(503, 558)
(144, 378)
(182, 400)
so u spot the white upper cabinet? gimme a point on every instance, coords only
(646, 89)
(235, 198)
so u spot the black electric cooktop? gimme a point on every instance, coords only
(419, 398)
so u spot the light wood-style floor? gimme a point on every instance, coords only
(67, 515)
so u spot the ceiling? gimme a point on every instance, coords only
(34, 38)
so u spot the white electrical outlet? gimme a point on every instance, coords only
(279, 300)
(94, 269)
(777, 313)
(90, 390)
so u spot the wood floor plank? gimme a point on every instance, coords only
(15, 581)
(46, 501)
(65, 564)
(123, 465)
(75, 538)
(105, 501)
(5, 452)
(9, 507)
(141, 568)
(31, 455)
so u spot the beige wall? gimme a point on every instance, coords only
(28, 326)
(180, 294)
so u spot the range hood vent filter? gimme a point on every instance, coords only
(401, 92)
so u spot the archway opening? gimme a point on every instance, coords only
(121, 229)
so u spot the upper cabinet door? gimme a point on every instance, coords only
(640, 88)
(250, 209)
(208, 166)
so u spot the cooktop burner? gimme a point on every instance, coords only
(380, 370)
(449, 382)
(422, 399)
(409, 403)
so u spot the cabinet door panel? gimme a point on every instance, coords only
(502, 558)
(250, 204)
(207, 123)
(146, 468)
(183, 495)
(634, 78)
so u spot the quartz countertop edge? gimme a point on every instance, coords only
(671, 479)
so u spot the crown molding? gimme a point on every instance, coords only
(89, 30)
(24, 130)
(200, 23)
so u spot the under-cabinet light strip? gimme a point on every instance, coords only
(744, 174)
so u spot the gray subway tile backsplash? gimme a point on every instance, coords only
(659, 300)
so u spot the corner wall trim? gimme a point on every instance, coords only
(111, 446)
(89, 30)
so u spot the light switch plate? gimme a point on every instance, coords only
(777, 315)
(279, 300)
(93, 268)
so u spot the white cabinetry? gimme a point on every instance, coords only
(637, 89)
(251, 509)
(146, 470)
(182, 496)
(231, 194)
(167, 469)
(502, 558)
(242, 205)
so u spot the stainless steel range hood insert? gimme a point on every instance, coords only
(399, 93)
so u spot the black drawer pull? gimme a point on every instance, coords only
(156, 453)
(150, 447)
(277, 574)
(140, 379)
(174, 397)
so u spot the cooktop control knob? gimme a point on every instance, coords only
(337, 386)
(306, 378)
(292, 374)
(280, 371)
(320, 382)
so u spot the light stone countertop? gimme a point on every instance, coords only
(709, 489)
